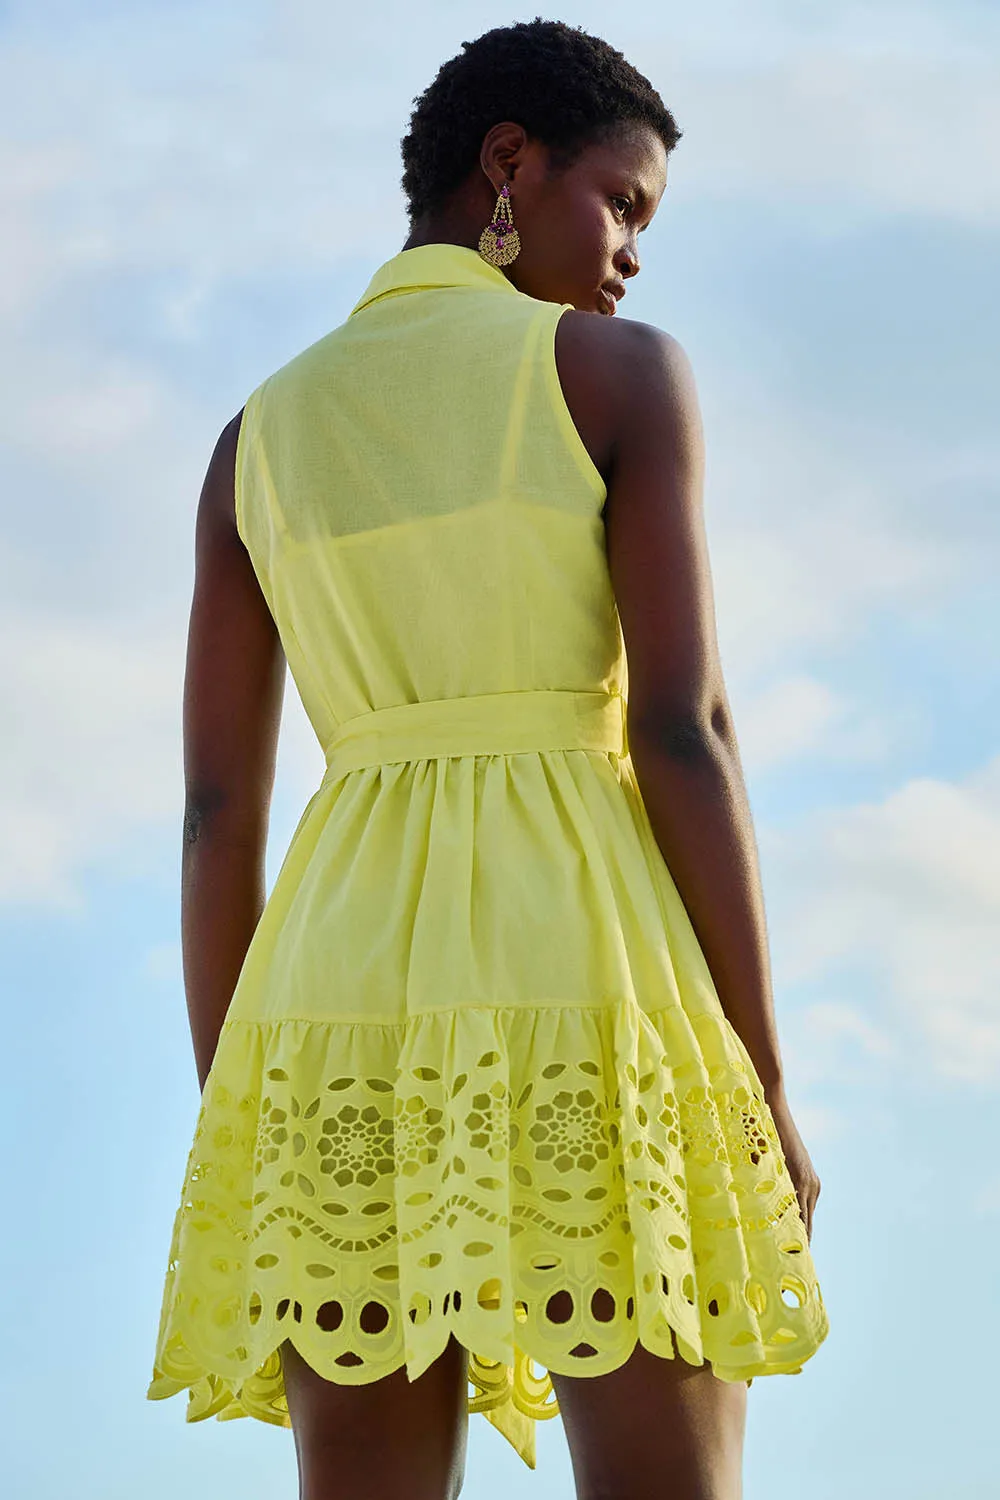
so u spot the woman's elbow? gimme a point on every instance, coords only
(213, 814)
(689, 737)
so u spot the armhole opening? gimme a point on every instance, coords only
(243, 441)
(564, 416)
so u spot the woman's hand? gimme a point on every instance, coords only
(797, 1160)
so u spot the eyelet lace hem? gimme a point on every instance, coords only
(550, 1183)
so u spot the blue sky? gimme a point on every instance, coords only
(191, 194)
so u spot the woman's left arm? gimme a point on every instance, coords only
(233, 690)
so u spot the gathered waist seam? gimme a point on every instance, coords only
(511, 723)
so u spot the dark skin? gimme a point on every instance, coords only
(631, 393)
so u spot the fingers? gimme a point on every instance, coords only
(811, 1197)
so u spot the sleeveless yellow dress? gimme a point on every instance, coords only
(475, 1057)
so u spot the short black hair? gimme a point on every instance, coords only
(568, 89)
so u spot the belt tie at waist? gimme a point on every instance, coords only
(483, 724)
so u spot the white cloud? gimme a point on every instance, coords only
(790, 716)
(829, 1041)
(103, 461)
(905, 893)
(34, 178)
(92, 753)
(842, 132)
(786, 586)
(144, 158)
(274, 143)
(810, 536)
(80, 408)
(797, 713)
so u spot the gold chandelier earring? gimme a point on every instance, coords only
(500, 242)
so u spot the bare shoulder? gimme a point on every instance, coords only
(630, 388)
(620, 377)
(218, 494)
(624, 344)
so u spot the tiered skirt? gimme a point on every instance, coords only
(513, 1111)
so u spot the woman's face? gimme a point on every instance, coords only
(579, 229)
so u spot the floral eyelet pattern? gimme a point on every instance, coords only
(543, 1183)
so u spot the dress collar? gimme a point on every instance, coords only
(433, 265)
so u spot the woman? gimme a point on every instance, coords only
(491, 1081)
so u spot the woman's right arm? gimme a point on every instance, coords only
(234, 685)
(680, 729)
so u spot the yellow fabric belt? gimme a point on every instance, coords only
(486, 724)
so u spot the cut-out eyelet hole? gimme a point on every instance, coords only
(559, 1307)
(374, 1317)
(329, 1316)
(793, 1292)
(717, 1300)
(756, 1295)
(545, 1262)
(489, 1295)
(420, 1308)
(602, 1305)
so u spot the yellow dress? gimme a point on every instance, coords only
(475, 1056)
